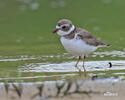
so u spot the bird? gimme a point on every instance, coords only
(77, 41)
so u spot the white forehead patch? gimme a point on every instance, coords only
(57, 26)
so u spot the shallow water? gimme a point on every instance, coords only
(29, 68)
(29, 52)
(69, 66)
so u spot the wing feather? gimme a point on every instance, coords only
(90, 39)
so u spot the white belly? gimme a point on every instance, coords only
(77, 47)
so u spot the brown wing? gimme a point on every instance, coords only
(90, 39)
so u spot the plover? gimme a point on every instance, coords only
(77, 41)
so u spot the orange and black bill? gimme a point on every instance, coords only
(56, 30)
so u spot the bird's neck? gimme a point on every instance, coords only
(71, 33)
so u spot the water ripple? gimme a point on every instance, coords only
(69, 66)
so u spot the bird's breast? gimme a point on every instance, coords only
(77, 47)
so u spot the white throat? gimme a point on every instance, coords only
(62, 33)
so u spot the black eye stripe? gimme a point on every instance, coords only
(63, 27)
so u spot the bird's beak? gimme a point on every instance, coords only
(56, 30)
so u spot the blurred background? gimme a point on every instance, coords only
(26, 30)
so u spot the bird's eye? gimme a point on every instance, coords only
(63, 27)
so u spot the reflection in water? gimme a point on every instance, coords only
(36, 77)
(66, 70)
(52, 71)
(69, 66)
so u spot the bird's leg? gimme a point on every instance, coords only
(77, 64)
(78, 61)
(84, 66)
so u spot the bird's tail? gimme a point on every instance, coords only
(104, 45)
(108, 45)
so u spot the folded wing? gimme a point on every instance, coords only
(90, 39)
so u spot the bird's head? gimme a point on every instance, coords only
(64, 27)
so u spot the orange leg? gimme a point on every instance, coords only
(78, 61)
(84, 66)
(77, 64)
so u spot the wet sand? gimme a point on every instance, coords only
(64, 90)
